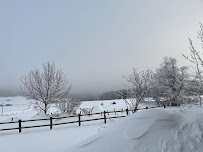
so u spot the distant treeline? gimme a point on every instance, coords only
(127, 93)
(119, 94)
(8, 93)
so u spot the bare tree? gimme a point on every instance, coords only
(196, 60)
(139, 86)
(45, 87)
(68, 105)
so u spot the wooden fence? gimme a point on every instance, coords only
(79, 121)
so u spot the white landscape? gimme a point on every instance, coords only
(60, 138)
(172, 129)
(101, 76)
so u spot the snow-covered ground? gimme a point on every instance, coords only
(43, 139)
(15, 105)
(152, 130)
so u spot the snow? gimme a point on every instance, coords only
(44, 139)
(18, 103)
(153, 130)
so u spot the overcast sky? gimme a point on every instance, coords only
(94, 42)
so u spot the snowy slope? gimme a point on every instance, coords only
(155, 130)
(45, 140)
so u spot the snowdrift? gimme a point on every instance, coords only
(154, 130)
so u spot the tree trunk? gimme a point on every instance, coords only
(200, 101)
(45, 108)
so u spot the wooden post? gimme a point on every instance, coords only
(164, 106)
(127, 112)
(115, 111)
(135, 109)
(79, 119)
(2, 112)
(104, 116)
(19, 121)
(50, 123)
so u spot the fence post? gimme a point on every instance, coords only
(164, 106)
(50, 123)
(19, 121)
(104, 116)
(79, 119)
(2, 110)
(127, 112)
(115, 111)
(135, 109)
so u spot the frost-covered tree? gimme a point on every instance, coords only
(196, 59)
(170, 82)
(123, 94)
(139, 86)
(45, 87)
(68, 105)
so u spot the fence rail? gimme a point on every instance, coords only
(51, 124)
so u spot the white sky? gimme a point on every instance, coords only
(94, 42)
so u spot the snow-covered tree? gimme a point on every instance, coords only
(196, 59)
(170, 82)
(68, 105)
(139, 86)
(45, 87)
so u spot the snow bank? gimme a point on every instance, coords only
(154, 130)
(97, 108)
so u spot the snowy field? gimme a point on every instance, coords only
(178, 129)
(60, 138)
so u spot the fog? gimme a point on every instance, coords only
(94, 42)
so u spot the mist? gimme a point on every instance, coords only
(95, 43)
